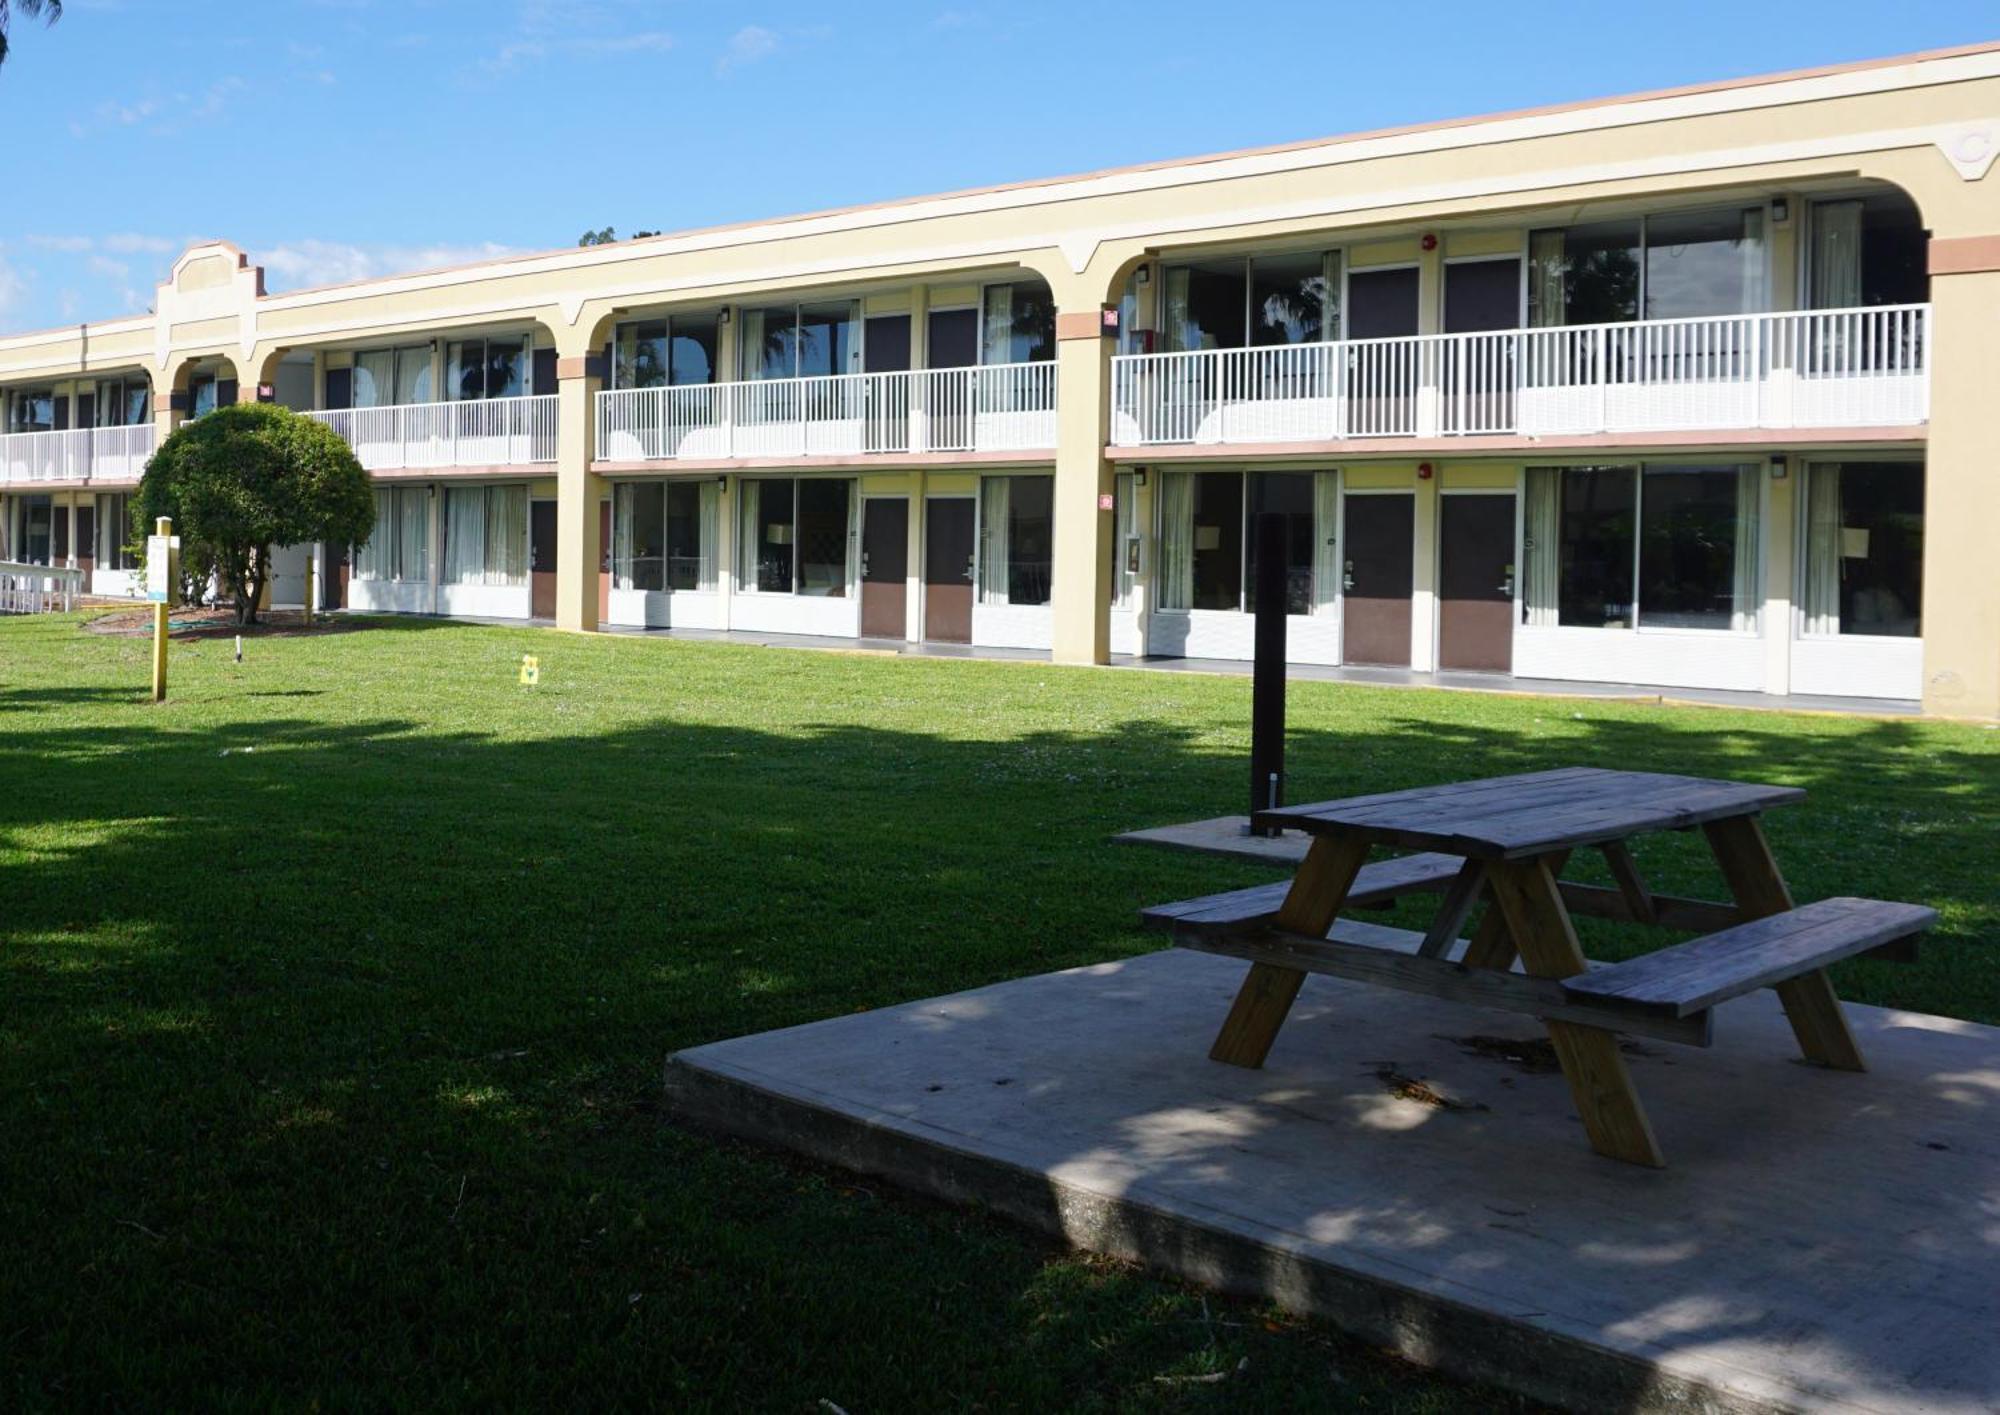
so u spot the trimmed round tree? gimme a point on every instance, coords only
(247, 478)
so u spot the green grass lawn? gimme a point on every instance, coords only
(336, 992)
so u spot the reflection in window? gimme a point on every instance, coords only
(33, 411)
(1218, 540)
(201, 395)
(801, 341)
(1288, 299)
(1287, 494)
(1866, 250)
(1016, 539)
(1667, 547)
(638, 535)
(1019, 324)
(1865, 548)
(487, 368)
(1698, 548)
(796, 536)
(1265, 301)
(1670, 266)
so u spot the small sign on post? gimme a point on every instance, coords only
(531, 670)
(163, 555)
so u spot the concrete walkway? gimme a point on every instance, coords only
(1412, 1169)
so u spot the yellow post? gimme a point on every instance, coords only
(162, 543)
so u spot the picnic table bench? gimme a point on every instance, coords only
(1506, 840)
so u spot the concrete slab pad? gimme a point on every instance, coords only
(1410, 1169)
(1224, 835)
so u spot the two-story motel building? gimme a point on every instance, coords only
(1697, 388)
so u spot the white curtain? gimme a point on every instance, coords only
(1174, 323)
(1756, 269)
(507, 535)
(996, 345)
(1547, 305)
(996, 494)
(1746, 592)
(1176, 540)
(412, 533)
(710, 532)
(1823, 517)
(747, 537)
(464, 535)
(1836, 255)
(374, 378)
(1326, 542)
(750, 339)
(372, 560)
(621, 534)
(413, 374)
(1541, 561)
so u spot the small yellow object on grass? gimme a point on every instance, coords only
(531, 670)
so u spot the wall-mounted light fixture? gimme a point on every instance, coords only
(1143, 276)
(723, 318)
(1139, 476)
(1778, 466)
(1781, 211)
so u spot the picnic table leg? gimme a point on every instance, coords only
(1759, 888)
(1491, 945)
(1599, 1081)
(1318, 890)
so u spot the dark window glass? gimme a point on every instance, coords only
(1688, 534)
(1594, 585)
(34, 412)
(642, 356)
(1032, 331)
(1482, 295)
(691, 357)
(1881, 548)
(643, 571)
(1704, 263)
(1218, 540)
(38, 518)
(1205, 305)
(770, 343)
(1288, 299)
(828, 340)
(683, 535)
(1600, 273)
(774, 536)
(506, 369)
(1030, 538)
(1382, 304)
(1288, 494)
(823, 537)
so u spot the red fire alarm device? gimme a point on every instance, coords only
(1423, 471)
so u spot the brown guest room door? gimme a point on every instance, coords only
(948, 570)
(1476, 583)
(542, 559)
(1379, 574)
(885, 566)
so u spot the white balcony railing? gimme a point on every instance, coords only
(994, 408)
(1808, 369)
(80, 454)
(489, 432)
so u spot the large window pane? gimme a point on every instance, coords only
(1205, 305)
(1595, 540)
(829, 339)
(636, 539)
(1287, 494)
(1698, 548)
(1288, 299)
(684, 548)
(769, 339)
(1030, 542)
(506, 368)
(1865, 549)
(374, 383)
(413, 374)
(1594, 279)
(1705, 263)
(640, 359)
(770, 504)
(1218, 540)
(691, 356)
(822, 535)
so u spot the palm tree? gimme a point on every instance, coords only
(30, 8)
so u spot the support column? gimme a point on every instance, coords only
(579, 547)
(1780, 540)
(913, 583)
(1961, 607)
(1424, 573)
(1081, 592)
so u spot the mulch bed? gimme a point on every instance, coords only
(217, 622)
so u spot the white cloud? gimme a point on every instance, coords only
(110, 269)
(309, 261)
(747, 46)
(12, 288)
(118, 243)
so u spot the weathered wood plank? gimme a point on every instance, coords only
(1631, 884)
(1759, 887)
(1387, 957)
(1453, 909)
(1241, 910)
(1669, 910)
(1311, 905)
(1697, 975)
(1599, 1082)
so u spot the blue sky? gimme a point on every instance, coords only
(337, 139)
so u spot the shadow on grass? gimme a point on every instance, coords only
(324, 1038)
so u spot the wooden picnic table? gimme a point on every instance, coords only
(1506, 840)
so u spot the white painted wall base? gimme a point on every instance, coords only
(664, 609)
(1859, 666)
(1012, 626)
(796, 614)
(389, 596)
(1222, 633)
(1664, 658)
(484, 601)
(1125, 632)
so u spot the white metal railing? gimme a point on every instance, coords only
(1803, 369)
(992, 408)
(38, 589)
(486, 432)
(79, 454)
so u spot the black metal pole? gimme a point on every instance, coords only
(1267, 682)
